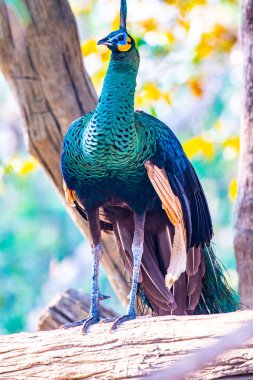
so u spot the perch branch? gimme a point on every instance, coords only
(206, 356)
(137, 348)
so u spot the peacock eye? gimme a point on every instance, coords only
(121, 38)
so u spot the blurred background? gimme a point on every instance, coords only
(190, 77)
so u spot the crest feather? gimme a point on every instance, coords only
(123, 14)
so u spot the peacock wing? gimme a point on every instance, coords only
(170, 157)
(182, 197)
(173, 209)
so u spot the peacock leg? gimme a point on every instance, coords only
(96, 250)
(137, 250)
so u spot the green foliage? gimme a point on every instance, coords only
(32, 226)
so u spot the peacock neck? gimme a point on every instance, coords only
(115, 109)
(119, 85)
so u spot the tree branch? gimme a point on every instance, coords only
(207, 356)
(137, 348)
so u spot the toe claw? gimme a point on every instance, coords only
(85, 323)
(103, 297)
(124, 318)
(88, 322)
(107, 320)
(73, 324)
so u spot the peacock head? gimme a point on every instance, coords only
(119, 41)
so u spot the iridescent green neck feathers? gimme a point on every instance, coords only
(113, 119)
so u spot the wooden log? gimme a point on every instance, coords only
(70, 306)
(137, 348)
(43, 63)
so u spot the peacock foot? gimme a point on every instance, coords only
(89, 321)
(107, 320)
(95, 317)
(73, 324)
(85, 323)
(123, 318)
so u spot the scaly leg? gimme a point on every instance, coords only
(137, 249)
(96, 250)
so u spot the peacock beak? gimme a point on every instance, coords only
(104, 41)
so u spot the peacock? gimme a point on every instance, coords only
(126, 172)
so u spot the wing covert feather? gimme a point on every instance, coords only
(173, 209)
(183, 179)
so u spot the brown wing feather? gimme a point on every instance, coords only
(173, 209)
(69, 195)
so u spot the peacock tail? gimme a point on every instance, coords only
(217, 296)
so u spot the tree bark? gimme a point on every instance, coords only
(137, 348)
(43, 64)
(243, 241)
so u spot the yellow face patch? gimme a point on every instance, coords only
(125, 47)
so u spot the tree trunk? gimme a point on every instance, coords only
(137, 348)
(243, 241)
(44, 66)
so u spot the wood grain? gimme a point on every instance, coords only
(137, 348)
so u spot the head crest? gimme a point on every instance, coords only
(123, 14)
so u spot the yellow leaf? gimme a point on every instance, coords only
(98, 77)
(182, 21)
(28, 165)
(167, 98)
(197, 145)
(22, 166)
(170, 37)
(105, 55)
(139, 99)
(219, 39)
(233, 142)
(204, 48)
(233, 189)
(151, 91)
(80, 7)
(149, 24)
(171, 2)
(195, 86)
(115, 22)
(88, 47)
(186, 5)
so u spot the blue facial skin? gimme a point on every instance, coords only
(118, 41)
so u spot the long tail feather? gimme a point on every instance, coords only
(216, 296)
